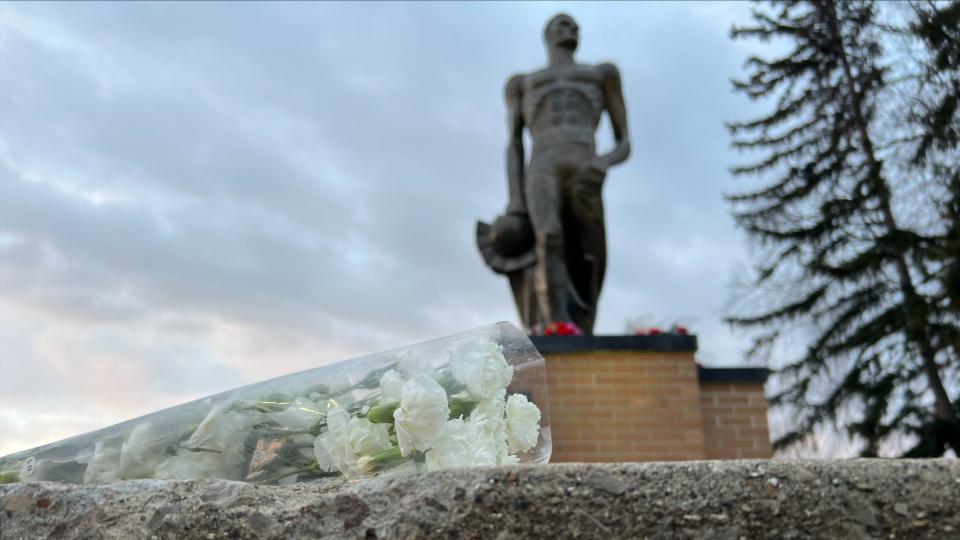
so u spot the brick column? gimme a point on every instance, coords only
(734, 410)
(639, 398)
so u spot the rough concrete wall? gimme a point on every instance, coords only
(695, 500)
(624, 406)
(735, 421)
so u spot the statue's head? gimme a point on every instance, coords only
(562, 31)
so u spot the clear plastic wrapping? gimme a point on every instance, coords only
(475, 398)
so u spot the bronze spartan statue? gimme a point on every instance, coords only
(550, 242)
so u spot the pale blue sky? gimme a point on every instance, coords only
(196, 196)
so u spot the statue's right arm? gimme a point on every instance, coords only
(514, 95)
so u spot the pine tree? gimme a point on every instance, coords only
(842, 265)
(937, 26)
(934, 114)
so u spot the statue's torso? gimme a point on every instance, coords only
(563, 103)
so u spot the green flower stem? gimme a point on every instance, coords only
(312, 468)
(383, 414)
(264, 430)
(386, 459)
(264, 406)
(461, 408)
(9, 477)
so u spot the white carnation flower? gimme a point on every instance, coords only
(523, 423)
(391, 387)
(346, 440)
(490, 410)
(423, 411)
(480, 366)
(489, 414)
(334, 447)
(461, 444)
(452, 448)
(367, 438)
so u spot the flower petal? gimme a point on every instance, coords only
(480, 366)
(423, 411)
(523, 423)
(391, 387)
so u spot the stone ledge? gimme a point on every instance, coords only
(705, 499)
(657, 343)
(707, 375)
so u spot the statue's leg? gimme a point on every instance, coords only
(586, 246)
(551, 282)
(521, 283)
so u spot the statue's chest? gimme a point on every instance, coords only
(562, 91)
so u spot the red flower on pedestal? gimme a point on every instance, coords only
(562, 329)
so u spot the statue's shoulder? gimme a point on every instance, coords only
(515, 84)
(607, 71)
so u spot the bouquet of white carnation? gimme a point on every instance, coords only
(476, 398)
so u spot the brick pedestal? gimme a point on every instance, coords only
(644, 398)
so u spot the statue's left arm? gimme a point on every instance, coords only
(617, 109)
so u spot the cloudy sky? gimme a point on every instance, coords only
(197, 196)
